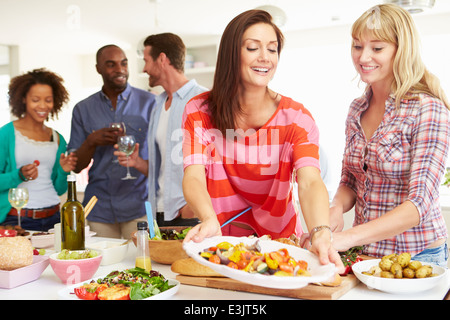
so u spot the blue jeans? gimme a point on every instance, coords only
(34, 224)
(437, 256)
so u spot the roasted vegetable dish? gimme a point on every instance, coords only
(250, 259)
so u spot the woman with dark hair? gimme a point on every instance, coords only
(245, 146)
(32, 154)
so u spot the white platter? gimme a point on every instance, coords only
(68, 292)
(396, 286)
(319, 273)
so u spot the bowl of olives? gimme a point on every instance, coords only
(397, 273)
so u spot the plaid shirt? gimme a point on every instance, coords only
(403, 160)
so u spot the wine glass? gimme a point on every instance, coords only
(119, 126)
(126, 145)
(18, 198)
(122, 130)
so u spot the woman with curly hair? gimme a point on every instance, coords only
(32, 155)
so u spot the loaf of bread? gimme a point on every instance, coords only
(190, 267)
(15, 252)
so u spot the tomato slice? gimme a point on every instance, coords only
(82, 293)
(89, 291)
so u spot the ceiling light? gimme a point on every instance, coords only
(278, 15)
(413, 6)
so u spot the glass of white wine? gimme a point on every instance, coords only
(18, 198)
(120, 126)
(126, 145)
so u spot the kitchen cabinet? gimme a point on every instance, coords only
(201, 63)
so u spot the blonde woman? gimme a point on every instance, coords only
(397, 137)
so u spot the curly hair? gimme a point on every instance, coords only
(20, 85)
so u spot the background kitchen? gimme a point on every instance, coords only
(315, 66)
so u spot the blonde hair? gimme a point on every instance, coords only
(391, 23)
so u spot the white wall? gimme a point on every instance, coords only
(315, 69)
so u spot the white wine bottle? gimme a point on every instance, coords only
(72, 219)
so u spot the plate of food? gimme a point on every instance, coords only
(129, 284)
(260, 262)
(398, 274)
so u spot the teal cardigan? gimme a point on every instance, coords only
(9, 173)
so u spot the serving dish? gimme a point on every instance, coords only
(8, 233)
(319, 273)
(68, 292)
(396, 286)
(42, 240)
(20, 276)
(112, 250)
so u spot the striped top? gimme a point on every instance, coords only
(403, 160)
(255, 168)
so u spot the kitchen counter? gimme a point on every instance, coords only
(48, 286)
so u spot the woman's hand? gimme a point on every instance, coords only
(207, 228)
(69, 162)
(323, 248)
(30, 171)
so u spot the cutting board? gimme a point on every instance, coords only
(310, 292)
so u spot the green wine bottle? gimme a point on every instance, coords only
(72, 219)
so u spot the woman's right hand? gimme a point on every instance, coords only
(30, 171)
(210, 227)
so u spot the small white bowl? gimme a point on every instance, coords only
(396, 286)
(42, 240)
(113, 250)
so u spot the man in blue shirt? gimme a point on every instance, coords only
(120, 202)
(164, 56)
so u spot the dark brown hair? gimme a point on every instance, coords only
(172, 46)
(223, 99)
(20, 85)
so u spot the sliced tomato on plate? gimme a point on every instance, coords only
(89, 291)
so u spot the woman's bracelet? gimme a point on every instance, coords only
(22, 177)
(318, 228)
